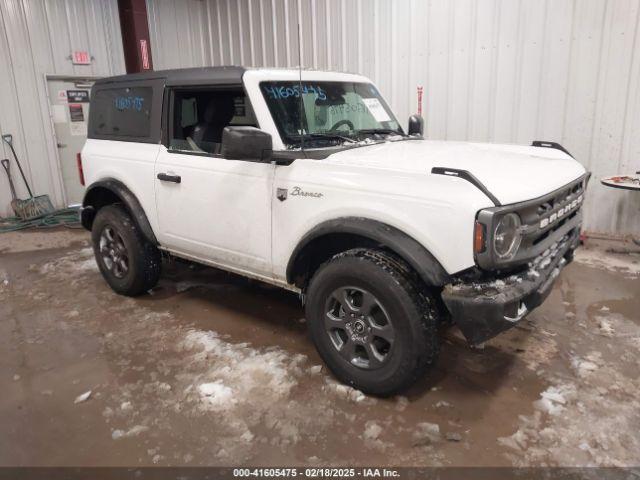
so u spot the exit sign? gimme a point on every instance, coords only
(81, 58)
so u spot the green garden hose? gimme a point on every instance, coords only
(66, 217)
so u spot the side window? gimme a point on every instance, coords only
(121, 112)
(200, 116)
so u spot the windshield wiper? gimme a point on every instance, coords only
(383, 131)
(328, 136)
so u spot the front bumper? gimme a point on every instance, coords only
(482, 309)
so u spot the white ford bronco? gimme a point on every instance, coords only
(306, 180)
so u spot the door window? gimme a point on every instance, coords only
(200, 116)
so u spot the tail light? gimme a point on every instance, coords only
(80, 171)
(479, 243)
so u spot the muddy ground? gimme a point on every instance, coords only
(211, 369)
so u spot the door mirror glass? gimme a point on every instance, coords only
(416, 125)
(246, 143)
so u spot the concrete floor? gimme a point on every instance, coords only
(211, 369)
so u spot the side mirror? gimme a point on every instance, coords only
(416, 125)
(246, 143)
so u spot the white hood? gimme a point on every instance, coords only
(512, 173)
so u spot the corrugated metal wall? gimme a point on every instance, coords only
(493, 70)
(36, 38)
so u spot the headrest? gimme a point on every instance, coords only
(220, 109)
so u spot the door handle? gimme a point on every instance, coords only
(165, 177)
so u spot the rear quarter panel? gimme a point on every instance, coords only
(129, 162)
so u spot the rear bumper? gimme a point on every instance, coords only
(483, 309)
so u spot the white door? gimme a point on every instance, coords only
(220, 211)
(70, 113)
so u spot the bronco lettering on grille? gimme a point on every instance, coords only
(561, 212)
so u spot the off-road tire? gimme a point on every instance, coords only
(144, 260)
(411, 309)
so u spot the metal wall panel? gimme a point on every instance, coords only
(493, 70)
(37, 37)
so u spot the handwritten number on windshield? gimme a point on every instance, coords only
(282, 92)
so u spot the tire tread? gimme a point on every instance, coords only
(425, 304)
(147, 256)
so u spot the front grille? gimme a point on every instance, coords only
(544, 221)
(542, 217)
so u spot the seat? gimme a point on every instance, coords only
(207, 134)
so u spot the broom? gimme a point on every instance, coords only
(32, 207)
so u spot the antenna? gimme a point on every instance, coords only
(300, 88)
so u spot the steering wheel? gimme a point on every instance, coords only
(340, 123)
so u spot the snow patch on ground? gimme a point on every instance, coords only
(4, 279)
(344, 391)
(249, 389)
(88, 265)
(605, 326)
(586, 416)
(627, 264)
(251, 395)
(372, 430)
(554, 399)
(132, 432)
(217, 395)
(585, 366)
(270, 372)
(70, 265)
(83, 397)
(426, 433)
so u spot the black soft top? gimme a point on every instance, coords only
(227, 75)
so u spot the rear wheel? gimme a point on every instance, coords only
(371, 321)
(128, 262)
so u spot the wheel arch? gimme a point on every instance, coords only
(110, 191)
(334, 236)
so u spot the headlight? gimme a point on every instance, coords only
(506, 237)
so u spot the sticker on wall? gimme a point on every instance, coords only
(78, 129)
(62, 95)
(59, 114)
(76, 113)
(77, 96)
(144, 54)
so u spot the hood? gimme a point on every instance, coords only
(512, 173)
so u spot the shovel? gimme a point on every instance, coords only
(14, 198)
(32, 207)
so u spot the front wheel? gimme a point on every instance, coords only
(372, 324)
(128, 262)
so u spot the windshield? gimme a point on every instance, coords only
(333, 112)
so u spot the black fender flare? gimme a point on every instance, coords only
(410, 250)
(94, 199)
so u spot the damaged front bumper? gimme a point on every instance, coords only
(484, 308)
